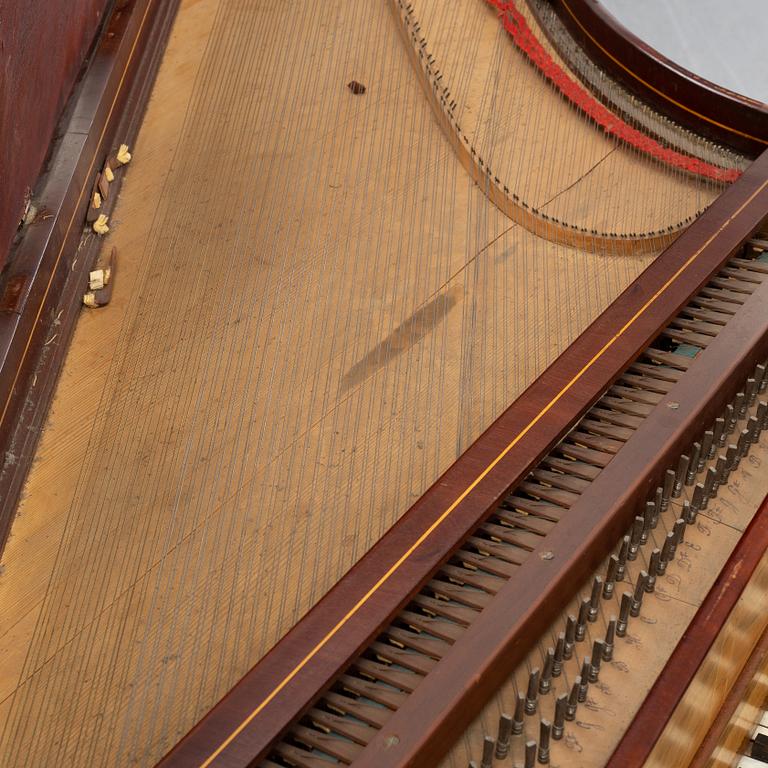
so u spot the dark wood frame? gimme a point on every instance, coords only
(539, 418)
(668, 690)
(41, 287)
(725, 117)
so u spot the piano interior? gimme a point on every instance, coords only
(349, 237)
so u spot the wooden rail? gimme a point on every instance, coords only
(42, 286)
(275, 693)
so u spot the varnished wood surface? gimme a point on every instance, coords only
(41, 289)
(613, 702)
(725, 116)
(140, 581)
(43, 51)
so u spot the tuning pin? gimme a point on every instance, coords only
(761, 378)
(742, 444)
(689, 513)
(503, 739)
(720, 470)
(594, 599)
(489, 745)
(558, 726)
(648, 518)
(597, 657)
(545, 682)
(740, 405)
(762, 414)
(621, 568)
(706, 447)
(657, 510)
(530, 754)
(584, 677)
(719, 432)
(698, 497)
(679, 530)
(667, 491)
(610, 639)
(635, 537)
(532, 694)
(753, 429)
(581, 623)
(624, 610)
(573, 700)
(545, 730)
(693, 467)
(682, 471)
(610, 577)
(557, 660)
(751, 391)
(570, 636)
(637, 597)
(667, 553)
(709, 486)
(653, 570)
(519, 718)
(730, 419)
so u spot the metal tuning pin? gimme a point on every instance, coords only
(653, 570)
(648, 517)
(720, 465)
(472, 764)
(518, 721)
(742, 445)
(610, 640)
(610, 577)
(570, 636)
(581, 622)
(753, 429)
(751, 391)
(762, 414)
(679, 530)
(730, 419)
(584, 679)
(693, 467)
(530, 754)
(732, 456)
(760, 377)
(706, 447)
(657, 508)
(635, 537)
(698, 497)
(545, 731)
(597, 658)
(689, 513)
(594, 599)
(545, 681)
(719, 432)
(637, 597)
(682, 472)
(531, 697)
(709, 486)
(668, 490)
(740, 405)
(624, 609)
(573, 700)
(667, 553)
(558, 726)
(504, 737)
(489, 746)
(621, 568)
(557, 659)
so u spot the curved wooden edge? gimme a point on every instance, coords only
(669, 688)
(535, 221)
(42, 287)
(280, 688)
(721, 115)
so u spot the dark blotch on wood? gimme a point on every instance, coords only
(355, 87)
